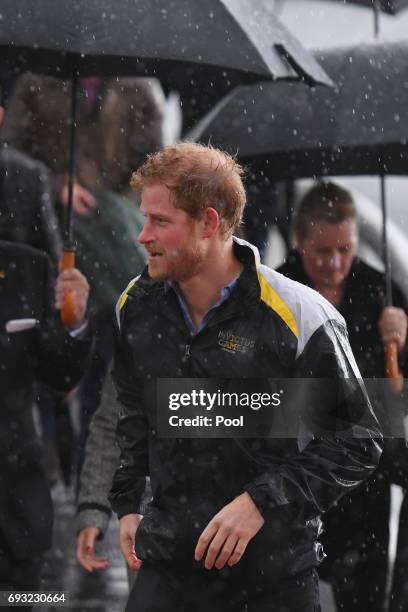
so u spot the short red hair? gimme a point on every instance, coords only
(197, 177)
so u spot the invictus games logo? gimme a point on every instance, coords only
(234, 344)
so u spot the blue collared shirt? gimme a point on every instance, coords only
(225, 293)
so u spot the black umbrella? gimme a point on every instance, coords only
(225, 42)
(291, 132)
(359, 128)
(202, 49)
(151, 37)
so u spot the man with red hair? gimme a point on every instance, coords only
(234, 522)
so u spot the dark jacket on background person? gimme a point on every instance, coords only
(41, 349)
(26, 209)
(115, 130)
(292, 333)
(361, 307)
(357, 529)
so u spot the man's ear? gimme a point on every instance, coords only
(1, 115)
(211, 222)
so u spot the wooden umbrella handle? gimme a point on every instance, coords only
(392, 371)
(69, 307)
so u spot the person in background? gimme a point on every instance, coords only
(101, 453)
(27, 216)
(26, 208)
(119, 121)
(33, 346)
(325, 235)
(101, 460)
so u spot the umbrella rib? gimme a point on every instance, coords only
(294, 64)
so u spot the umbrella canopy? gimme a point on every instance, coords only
(165, 38)
(151, 37)
(224, 42)
(359, 128)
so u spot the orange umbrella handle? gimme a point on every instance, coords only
(69, 308)
(392, 370)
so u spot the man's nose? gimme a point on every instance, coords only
(146, 234)
(335, 260)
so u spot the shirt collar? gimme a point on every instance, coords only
(225, 293)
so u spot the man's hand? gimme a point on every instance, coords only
(83, 201)
(227, 535)
(73, 280)
(393, 326)
(86, 550)
(128, 526)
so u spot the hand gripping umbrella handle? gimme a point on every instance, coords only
(68, 309)
(392, 370)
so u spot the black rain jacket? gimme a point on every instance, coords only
(292, 332)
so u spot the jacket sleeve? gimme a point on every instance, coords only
(101, 461)
(339, 440)
(61, 358)
(132, 432)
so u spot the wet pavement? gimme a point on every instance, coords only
(104, 591)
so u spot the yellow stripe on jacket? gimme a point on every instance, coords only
(277, 304)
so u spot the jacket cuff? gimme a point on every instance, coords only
(258, 496)
(126, 508)
(93, 517)
(267, 492)
(79, 332)
(131, 508)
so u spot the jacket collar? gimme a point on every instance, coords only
(245, 295)
(293, 268)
